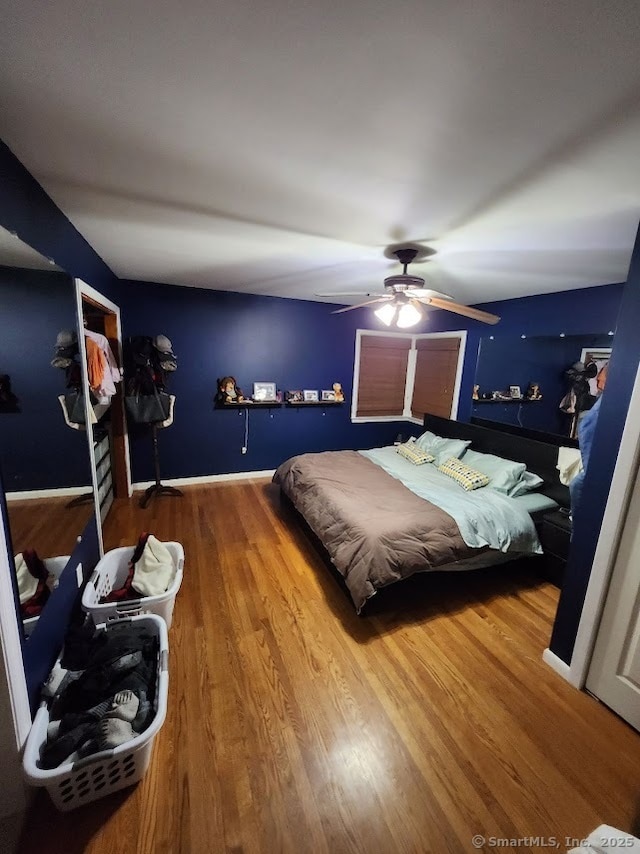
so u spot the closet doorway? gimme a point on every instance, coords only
(109, 448)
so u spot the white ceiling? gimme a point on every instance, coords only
(277, 147)
(15, 253)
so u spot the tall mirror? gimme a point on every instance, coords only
(101, 349)
(542, 383)
(44, 453)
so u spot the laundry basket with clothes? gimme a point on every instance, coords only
(103, 704)
(140, 579)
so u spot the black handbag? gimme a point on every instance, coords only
(75, 408)
(148, 408)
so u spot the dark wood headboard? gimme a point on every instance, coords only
(539, 457)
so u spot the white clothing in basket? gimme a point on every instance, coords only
(155, 570)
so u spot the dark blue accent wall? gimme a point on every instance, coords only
(511, 360)
(576, 312)
(294, 343)
(37, 449)
(623, 368)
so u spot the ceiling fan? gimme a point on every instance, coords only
(406, 294)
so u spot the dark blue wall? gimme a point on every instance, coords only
(623, 368)
(294, 343)
(37, 449)
(576, 312)
(505, 361)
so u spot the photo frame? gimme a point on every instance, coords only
(263, 392)
(310, 395)
(514, 391)
(328, 394)
(294, 396)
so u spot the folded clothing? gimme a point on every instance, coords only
(102, 692)
(151, 571)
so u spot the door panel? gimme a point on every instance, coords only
(614, 674)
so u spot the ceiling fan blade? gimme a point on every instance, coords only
(361, 304)
(350, 294)
(465, 310)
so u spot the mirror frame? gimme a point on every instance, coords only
(85, 292)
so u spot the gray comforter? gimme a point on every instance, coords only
(375, 530)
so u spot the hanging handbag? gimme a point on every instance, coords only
(148, 408)
(74, 404)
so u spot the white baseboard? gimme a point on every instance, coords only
(208, 478)
(63, 492)
(560, 666)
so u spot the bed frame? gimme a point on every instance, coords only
(539, 457)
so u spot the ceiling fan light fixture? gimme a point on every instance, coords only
(408, 316)
(386, 313)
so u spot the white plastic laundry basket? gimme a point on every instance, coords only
(78, 783)
(111, 573)
(55, 567)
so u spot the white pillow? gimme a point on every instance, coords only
(442, 449)
(528, 483)
(506, 476)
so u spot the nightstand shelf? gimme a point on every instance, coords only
(554, 531)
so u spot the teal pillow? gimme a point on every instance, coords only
(529, 482)
(504, 475)
(442, 449)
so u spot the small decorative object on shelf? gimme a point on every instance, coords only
(514, 391)
(228, 392)
(533, 392)
(294, 396)
(329, 395)
(476, 392)
(263, 392)
(337, 387)
(310, 396)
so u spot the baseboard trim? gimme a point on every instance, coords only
(208, 478)
(560, 666)
(63, 492)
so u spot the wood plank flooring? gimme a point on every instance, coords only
(47, 525)
(295, 725)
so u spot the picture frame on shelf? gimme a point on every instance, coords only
(515, 392)
(310, 395)
(329, 395)
(294, 396)
(264, 392)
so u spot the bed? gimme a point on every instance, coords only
(381, 519)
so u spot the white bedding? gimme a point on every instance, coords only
(484, 516)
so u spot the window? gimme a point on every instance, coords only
(382, 375)
(401, 377)
(435, 376)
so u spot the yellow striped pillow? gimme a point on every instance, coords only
(412, 453)
(463, 474)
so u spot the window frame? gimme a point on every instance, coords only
(410, 375)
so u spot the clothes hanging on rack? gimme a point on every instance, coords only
(102, 368)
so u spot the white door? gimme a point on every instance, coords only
(614, 674)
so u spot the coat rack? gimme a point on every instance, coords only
(157, 488)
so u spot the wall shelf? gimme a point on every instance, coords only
(250, 404)
(303, 403)
(508, 400)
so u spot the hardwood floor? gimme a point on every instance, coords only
(295, 725)
(47, 525)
